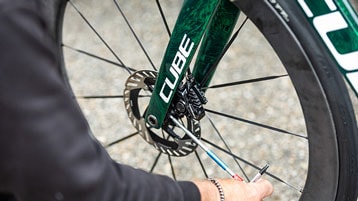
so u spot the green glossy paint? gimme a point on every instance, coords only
(336, 23)
(346, 40)
(215, 40)
(189, 29)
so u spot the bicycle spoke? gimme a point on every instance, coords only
(157, 159)
(256, 124)
(108, 97)
(98, 57)
(163, 17)
(120, 140)
(228, 45)
(252, 165)
(135, 35)
(201, 164)
(227, 147)
(99, 97)
(172, 167)
(155, 162)
(98, 35)
(246, 81)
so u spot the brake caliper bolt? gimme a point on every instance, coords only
(152, 120)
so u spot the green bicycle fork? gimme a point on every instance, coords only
(200, 21)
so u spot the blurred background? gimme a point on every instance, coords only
(271, 104)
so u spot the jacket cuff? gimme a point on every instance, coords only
(190, 191)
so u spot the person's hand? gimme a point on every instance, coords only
(234, 190)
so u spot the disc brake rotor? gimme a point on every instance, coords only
(169, 139)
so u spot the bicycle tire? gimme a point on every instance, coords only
(329, 117)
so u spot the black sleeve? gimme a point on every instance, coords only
(46, 151)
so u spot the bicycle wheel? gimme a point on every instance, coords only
(277, 95)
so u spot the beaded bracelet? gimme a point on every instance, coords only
(221, 191)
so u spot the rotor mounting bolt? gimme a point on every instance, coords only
(181, 107)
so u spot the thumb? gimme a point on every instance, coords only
(263, 188)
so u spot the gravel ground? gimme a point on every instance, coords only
(272, 103)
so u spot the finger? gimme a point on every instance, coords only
(264, 187)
